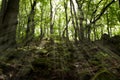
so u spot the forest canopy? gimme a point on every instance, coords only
(71, 19)
(88, 18)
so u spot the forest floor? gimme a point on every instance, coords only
(98, 60)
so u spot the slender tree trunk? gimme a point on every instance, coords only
(81, 18)
(59, 24)
(88, 32)
(108, 26)
(51, 22)
(73, 22)
(41, 24)
(94, 30)
(74, 19)
(8, 23)
(30, 25)
(66, 16)
(81, 30)
(63, 33)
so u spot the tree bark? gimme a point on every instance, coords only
(72, 8)
(51, 22)
(30, 25)
(66, 17)
(41, 24)
(81, 18)
(8, 23)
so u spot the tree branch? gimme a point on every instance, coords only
(102, 12)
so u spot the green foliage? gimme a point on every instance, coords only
(43, 2)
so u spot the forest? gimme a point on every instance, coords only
(59, 39)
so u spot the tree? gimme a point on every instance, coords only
(30, 25)
(66, 18)
(74, 19)
(90, 12)
(51, 21)
(8, 23)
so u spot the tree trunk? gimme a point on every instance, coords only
(59, 29)
(8, 23)
(41, 24)
(81, 18)
(66, 16)
(51, 22)
(30, 25)
(74, 20)
(108, 25)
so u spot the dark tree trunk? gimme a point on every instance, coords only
(66, 17)
(41, 24)
(30, 25)
(76, 20)
(8, 23)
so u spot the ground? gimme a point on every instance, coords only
(98, 60)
